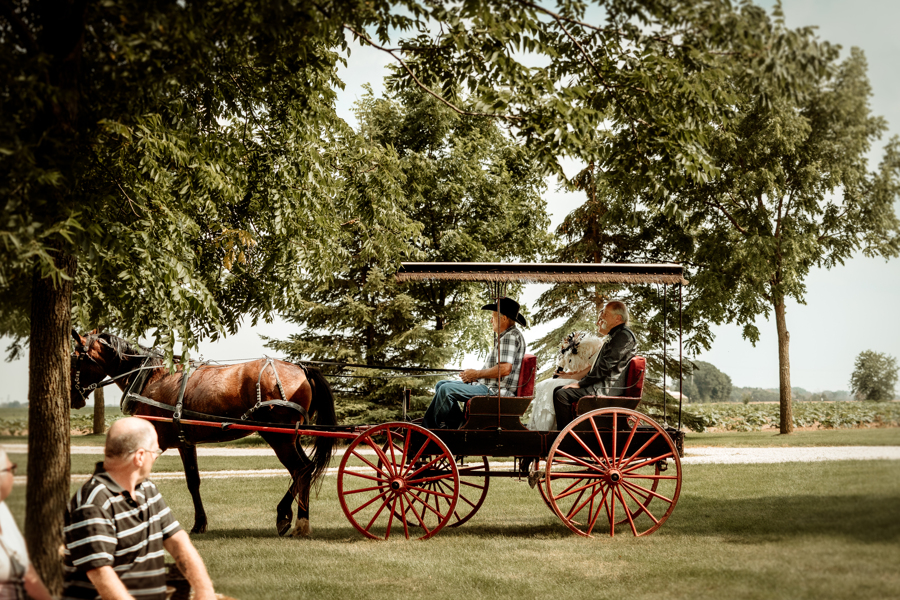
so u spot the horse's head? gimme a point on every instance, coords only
(85, 367)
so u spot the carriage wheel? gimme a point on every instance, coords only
(397, 487)
(628, 490)
(474, 480)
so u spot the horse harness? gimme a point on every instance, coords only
(130, 398)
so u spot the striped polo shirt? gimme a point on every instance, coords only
(106, 526)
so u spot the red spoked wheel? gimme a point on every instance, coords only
(474, 480)
(614, 469)
(394, 486)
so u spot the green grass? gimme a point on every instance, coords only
(795, 530)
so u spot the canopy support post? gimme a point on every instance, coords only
(665, 394)
(680, 368)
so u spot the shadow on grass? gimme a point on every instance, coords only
(861, 518)
(872, 518)
(349, 533)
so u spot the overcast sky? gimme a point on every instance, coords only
(848, 309)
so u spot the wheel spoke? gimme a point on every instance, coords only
(384, 486)
(648, 476)
(569, 491)
(437, 459)
(648, 462)
(578, 461)
(630, 437)
(365, 460)
(589, 451)
(419, 518)
(627, 511)
(374, 499)
(639, 451)
(377, 513)
(425, 504)
(367, 476)
(405, 512)
(600, 439)
(604, 489)
(637, 487)
(641, 506)
(434, 493)
(578, 507)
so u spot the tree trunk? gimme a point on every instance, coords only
(784, 368)
(99, 412)
(48, 421)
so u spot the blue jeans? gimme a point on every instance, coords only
(444, 409)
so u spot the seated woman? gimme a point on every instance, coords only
(577, 353)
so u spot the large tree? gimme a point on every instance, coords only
(793, 192)
(179, 160)
(473, 195)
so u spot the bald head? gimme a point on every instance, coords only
(127, 435)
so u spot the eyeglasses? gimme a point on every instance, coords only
(12, 468)
(155, 453)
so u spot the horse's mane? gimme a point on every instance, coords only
(125, 350)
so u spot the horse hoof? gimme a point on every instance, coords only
(302, 529)
(199, 528)
(283, 525)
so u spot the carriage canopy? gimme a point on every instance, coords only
(665, 273)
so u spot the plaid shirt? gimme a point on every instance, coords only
(512, 351)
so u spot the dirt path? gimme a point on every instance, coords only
(693, 456)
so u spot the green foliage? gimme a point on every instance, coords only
(707, 384)
(874, 376)
(785, 188)
(825, 415)
(470, 195)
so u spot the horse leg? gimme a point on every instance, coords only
(300, 489)
(299, 466)
(285, 513)
(192, 475)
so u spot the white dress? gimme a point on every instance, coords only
(543, 414)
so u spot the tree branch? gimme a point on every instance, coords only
(728, 215)
(424, 87)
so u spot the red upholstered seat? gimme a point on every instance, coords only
(630, 397)
(490, 412)
(526, 376)
(634, 380)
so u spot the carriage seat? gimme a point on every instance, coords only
(482, 411)
(631, 394)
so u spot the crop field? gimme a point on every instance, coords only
(789, 530)
(732, 416)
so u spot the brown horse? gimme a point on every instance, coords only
(223, 391)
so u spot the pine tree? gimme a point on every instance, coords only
(475, 196)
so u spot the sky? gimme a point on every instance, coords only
(848, 309)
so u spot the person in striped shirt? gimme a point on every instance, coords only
(117, 526)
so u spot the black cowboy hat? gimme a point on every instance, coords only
(508, 308)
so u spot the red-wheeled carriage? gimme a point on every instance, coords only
(611, 470)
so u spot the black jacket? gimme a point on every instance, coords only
(609, 368)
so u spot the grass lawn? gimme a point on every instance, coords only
(794, 530)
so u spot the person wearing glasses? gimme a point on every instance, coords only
(118, 525)
(16, 572)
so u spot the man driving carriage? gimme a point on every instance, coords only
(444, 411)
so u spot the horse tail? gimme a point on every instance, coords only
(323, 406)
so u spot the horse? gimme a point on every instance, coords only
(290, 393)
